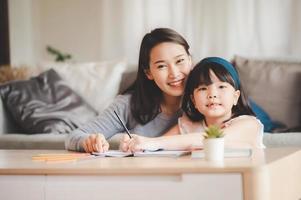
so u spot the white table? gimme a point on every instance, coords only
(269, 174)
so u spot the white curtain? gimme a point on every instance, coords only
(94, 30)
(257, 28)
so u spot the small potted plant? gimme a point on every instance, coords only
(214, 143)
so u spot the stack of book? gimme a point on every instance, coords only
(228, 153)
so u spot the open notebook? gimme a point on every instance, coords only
(159, 153)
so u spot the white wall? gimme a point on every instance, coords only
(97, 30)
(90, 30)
(72, 26)
(21, 32)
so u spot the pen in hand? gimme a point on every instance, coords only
(126, 129)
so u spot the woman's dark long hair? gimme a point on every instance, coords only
(200, 75)
(146, 95)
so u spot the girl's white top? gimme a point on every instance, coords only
(188, 126)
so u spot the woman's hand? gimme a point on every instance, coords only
(124, 143)
(137, 143)
(95, 143)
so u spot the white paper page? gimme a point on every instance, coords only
(161, 153)
(113, 153)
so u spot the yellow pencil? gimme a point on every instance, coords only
(62, 156)
(52, 157)
(61, 161)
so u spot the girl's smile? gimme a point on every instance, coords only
(213, 105)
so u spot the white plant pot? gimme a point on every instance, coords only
(214, 149)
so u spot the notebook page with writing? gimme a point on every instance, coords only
(159, 153)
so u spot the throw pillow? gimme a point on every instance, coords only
(98, 83)
(45, 104)
(273, 85)
(265, 119)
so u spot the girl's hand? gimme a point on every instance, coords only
(95, 143)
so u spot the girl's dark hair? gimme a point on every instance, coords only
(146, 95)
(200, 75)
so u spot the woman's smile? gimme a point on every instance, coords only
(177, 83)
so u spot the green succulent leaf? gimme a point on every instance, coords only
(213, 131)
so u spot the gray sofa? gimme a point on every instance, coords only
(11, 136)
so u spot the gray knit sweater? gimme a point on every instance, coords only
(107, 123)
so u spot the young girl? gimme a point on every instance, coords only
(213, 96)
(152, 105)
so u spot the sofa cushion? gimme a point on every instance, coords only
(36, 141)
(45, 104)
(274, 85)
(7, 122)
(43, 141)
(292, 139)
(8, 73)
(97, 82)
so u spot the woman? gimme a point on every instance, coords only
(151, 106)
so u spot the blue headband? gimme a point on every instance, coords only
(227, 65)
